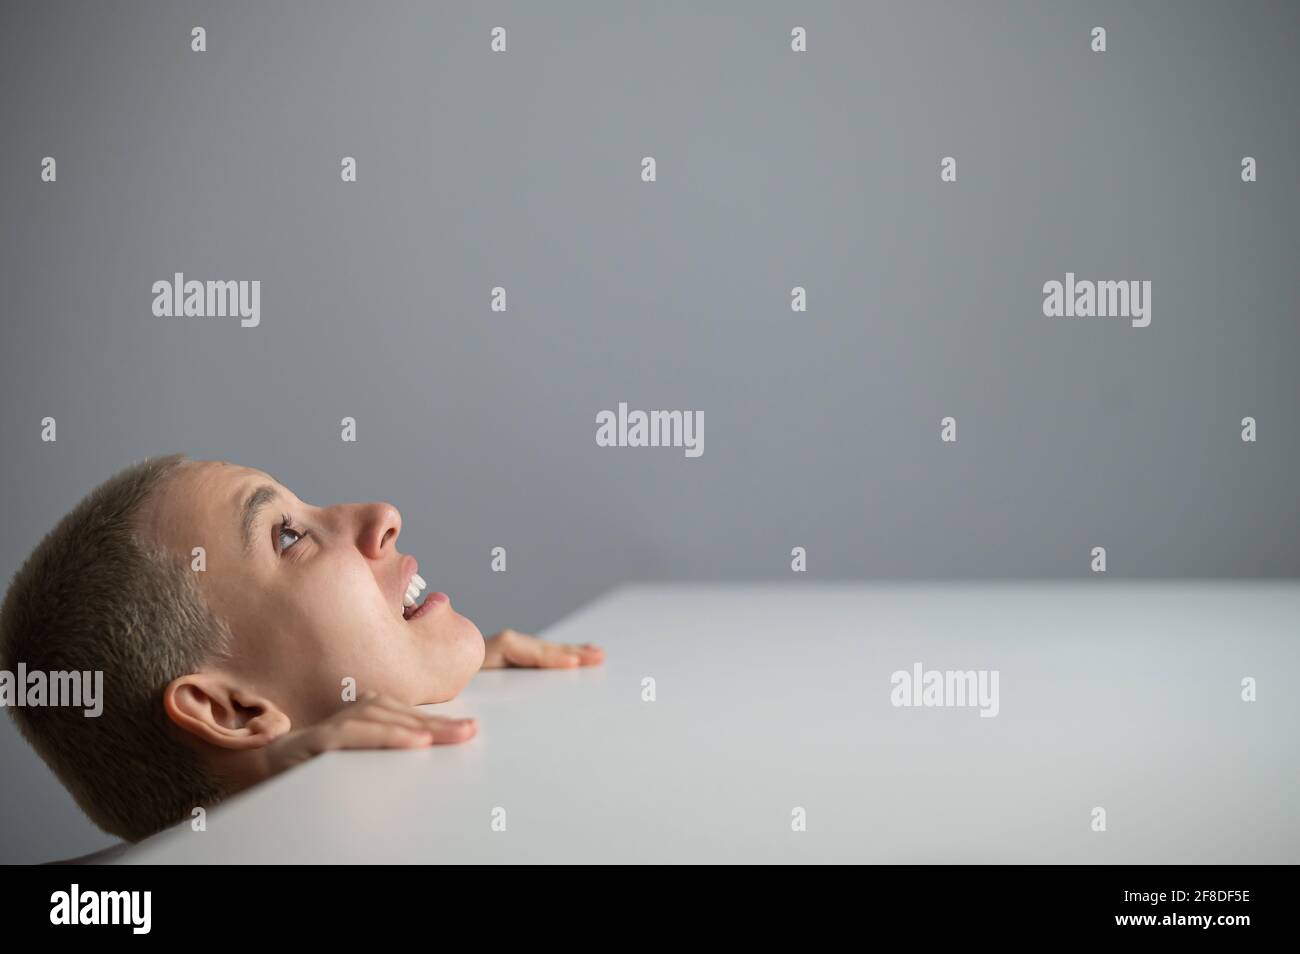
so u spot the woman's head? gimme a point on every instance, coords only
(313, 598)
(223, 611)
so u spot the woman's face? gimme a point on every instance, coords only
(313, 595)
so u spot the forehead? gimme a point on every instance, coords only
(201, 504)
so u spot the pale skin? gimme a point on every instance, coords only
(313, 596)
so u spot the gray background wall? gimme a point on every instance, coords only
(775, 170)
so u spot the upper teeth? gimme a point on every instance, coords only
(413, 590)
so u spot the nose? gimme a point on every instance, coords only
(378, 527)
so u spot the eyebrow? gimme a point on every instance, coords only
(252, 510)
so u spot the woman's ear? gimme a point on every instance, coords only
(212, 708)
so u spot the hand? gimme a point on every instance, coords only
(372, 722)
(509, 648)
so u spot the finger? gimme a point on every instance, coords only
(587, 653)
(522, 651)
(556, 656)
(366, 734)
(404, 716)
(379, 733)
(389, 709)
(452, 731)
(443, 728)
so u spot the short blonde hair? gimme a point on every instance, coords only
(98, 595)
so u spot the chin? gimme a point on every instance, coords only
(460, 657)
(474, 649)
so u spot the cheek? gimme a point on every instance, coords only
(344, 619)
(343, 595)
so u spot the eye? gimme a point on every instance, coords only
(285, 531)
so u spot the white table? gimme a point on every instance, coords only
(1115, 694)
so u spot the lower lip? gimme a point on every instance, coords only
(430, 601)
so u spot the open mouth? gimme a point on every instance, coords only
(415, 611)
(412, 608)
(414, 586)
